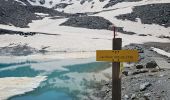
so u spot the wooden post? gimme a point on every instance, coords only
(116, 80)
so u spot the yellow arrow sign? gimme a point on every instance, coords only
(117, 55)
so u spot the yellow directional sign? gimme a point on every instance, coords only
(117, 55)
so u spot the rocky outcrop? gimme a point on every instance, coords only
(150, 14)
(151, 64)
(17, 50)
(91, 22)
(10, 32)
(16, 14)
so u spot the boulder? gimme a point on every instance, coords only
(139, 66)
(151, 64)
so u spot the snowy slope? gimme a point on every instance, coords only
(71, 39)
(72, 5)
(80, 6)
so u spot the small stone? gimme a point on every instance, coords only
(123, 87)
(125, 73)
(140, 71)
(162, 91)
(42, 2)
(147, 94)
(144, 86)
(162, 75)
(155, 70)
(150, 74)
(126, 96)
(133, 96)
(142, 35)
(139, 66)
(149, 34)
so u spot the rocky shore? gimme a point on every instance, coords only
(145, 80)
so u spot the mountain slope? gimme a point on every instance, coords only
(19, 15)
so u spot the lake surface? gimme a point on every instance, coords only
(48, 95)
(69, 84)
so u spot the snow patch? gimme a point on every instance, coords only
(11, 86)
(20, 2)
(136, 27)
(73, 39)
(42, 14)
(160, 51)
(49, 62)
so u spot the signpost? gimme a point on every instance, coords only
(116, 55)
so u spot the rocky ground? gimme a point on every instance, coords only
(141, 81)
(10, 32)
(150, 14)
(20, 50)
(16, 14)
(93, 22)
(17, 50)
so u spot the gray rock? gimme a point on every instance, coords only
(42, 2)
(139, 66)
(151, 64)
(140, 71)
(164, 36)
(155, 70)
(147, 94)
(133, 96)
(125, 73)
(142, 35)
(144, 86)
(121, 30)
(126, 97)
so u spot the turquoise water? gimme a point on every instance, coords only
(4, 65)
(60, 85)
(49, 95)
(24, 71)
